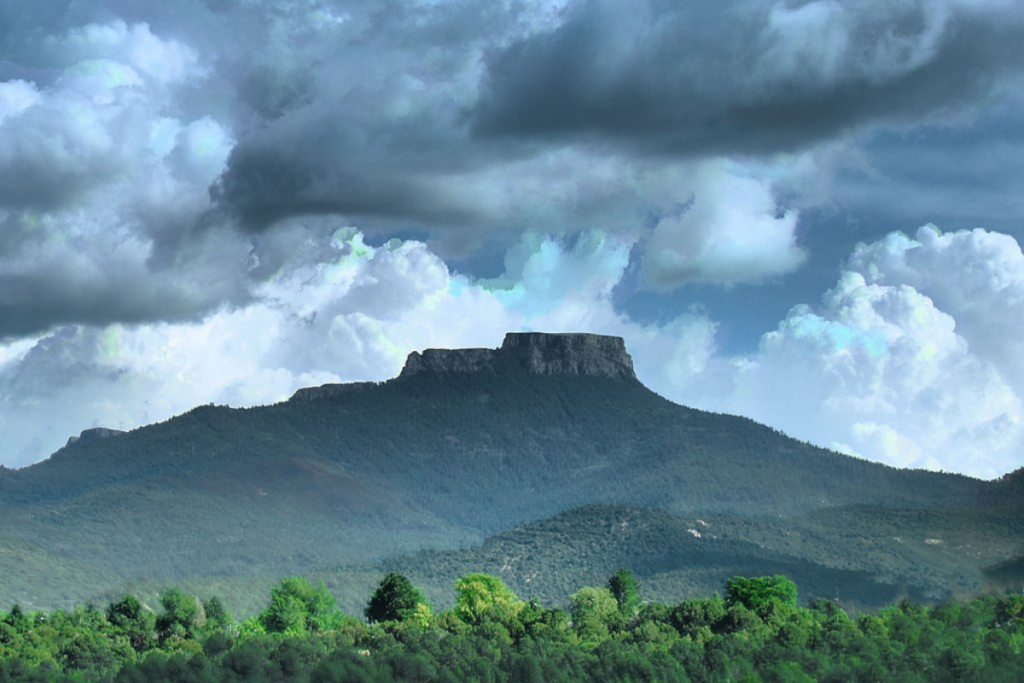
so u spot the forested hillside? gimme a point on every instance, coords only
(865, 566)
(443, 457)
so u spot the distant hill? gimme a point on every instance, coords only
(864, 558)
(464, 444)
(864, 564)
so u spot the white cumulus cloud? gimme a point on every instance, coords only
(734, 232)
(161, 60)
(900, 362)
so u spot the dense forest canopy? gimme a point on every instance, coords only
(755, 632)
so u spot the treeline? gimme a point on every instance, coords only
(756, 632)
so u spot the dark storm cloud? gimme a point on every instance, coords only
(366, 118)
(32, 303)
(48, 278)
(117, 118)
(954, 177)
(710, 77)
(380, 118)
(334, 158)
(459, 119)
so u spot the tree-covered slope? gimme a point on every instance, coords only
(456, 442)
(865, 557)
(437, 458)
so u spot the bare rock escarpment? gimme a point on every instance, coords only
(534, 353)
(331, 390)
(537, 353)
(93, 434)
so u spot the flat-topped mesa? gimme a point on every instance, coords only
(538, 353)
(93, 434)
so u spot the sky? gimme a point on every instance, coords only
(807, 212)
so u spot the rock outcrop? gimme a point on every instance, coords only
(537, 353)
(450, 361)
(329, 390)
(93, 434)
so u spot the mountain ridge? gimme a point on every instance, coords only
(540, 353)
(441, 456)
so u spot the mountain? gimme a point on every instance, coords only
(462, 445)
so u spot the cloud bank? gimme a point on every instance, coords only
(145, 149)
(909, 359)
(751, 77)
(100, 183)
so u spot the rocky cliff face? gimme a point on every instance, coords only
(537, 353)
(330, 390)
(450, 360)
(93, 434)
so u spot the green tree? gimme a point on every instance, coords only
(87, 644)
(396, 599)
(130, 617)
(758, 593)
(1010, 611)
(181, 618)
(296, 606)
(485, 597)
(626, 590)
(217, 615)
(595, 612)
(699, 618)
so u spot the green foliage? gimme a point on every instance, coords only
(699, 619)
(297, 607)
(482, 597)
(422, 615)
(760, 593)
(217, 615)
(133, 620)
(707, 639)
(396, 599)
(181, 618)
(595, 613)
(626, 590)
